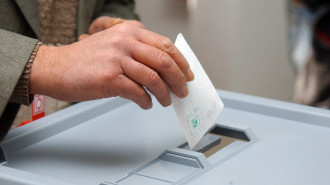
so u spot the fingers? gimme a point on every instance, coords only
(161, 62)
(133, 91)
(103, 23)
(148, 78)
(167, 46)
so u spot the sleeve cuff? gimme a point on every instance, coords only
(21, 93)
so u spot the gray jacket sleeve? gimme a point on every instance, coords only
(15, 51)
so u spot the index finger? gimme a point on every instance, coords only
(166, 45)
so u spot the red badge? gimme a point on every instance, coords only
(38, 107)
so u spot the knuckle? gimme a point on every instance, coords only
(123, 27)
(108, 78)
(153, 78)
(167, 44)
(110, 75)
(119, 39)
(140, 93)
(181, 80)
(185, 66)
(116, 59)
(164, 60)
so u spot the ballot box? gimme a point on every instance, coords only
(113, 141)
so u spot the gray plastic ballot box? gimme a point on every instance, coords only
(113, 141)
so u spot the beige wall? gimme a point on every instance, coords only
(241, 44)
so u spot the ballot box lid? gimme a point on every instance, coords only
(113, 141)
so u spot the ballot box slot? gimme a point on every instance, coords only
(218, 138)
(207, 142)
(228, 136)
(229, 132)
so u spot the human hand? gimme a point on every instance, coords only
(105, 22)
(119, 61)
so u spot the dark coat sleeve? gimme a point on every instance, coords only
(116, 8)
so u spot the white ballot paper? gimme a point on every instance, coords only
(198, 111)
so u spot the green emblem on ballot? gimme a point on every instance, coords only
(195, 120)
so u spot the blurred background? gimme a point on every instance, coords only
(244, 46)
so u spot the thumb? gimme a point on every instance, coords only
(103, 23)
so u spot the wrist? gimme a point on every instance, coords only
(40, 73)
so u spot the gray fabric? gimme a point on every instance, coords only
(29, 8)
(15, 51)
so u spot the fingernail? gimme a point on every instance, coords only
(150, 106)
(190, 75)
(168, 102)
(184, 91)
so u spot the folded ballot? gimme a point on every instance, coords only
(198, 111)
